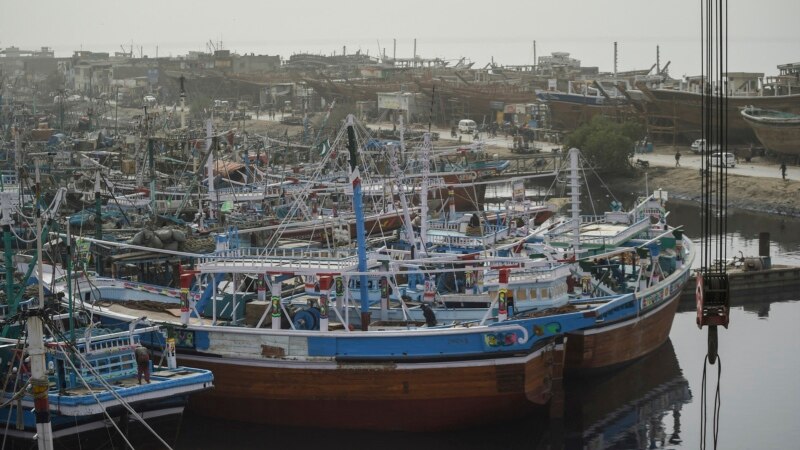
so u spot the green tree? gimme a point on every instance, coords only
(199, 105)
(605, 144)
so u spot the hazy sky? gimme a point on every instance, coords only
(762, 33)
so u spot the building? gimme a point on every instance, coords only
(255, 64)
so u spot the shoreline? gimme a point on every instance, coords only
(762, 195)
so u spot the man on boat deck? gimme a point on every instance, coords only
(142, 363)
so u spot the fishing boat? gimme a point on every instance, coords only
(634, 252)
(778, 131)
(81, 376)
(389, 375)
(294, 358)
(93, 382)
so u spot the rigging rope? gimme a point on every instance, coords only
(704, 406)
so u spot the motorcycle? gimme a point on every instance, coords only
(642, 164)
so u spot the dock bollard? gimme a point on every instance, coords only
(763, 250)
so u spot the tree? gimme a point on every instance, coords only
(605, 144)
(199, 105)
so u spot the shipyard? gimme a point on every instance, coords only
(275, 238)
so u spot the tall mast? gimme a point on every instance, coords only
(575, 195)
(98, 220)
(361, 241)
(210, 168)
(423, 200)
(39, 381)
(183, 103)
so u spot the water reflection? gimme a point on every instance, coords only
(631, 408)
(638, 407)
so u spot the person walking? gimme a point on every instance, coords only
(783, 170)
(678, 158)
(142, 363)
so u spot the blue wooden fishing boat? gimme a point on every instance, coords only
(93, 383)
(293, 359)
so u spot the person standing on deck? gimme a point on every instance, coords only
(142, 363)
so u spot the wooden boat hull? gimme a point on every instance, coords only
(374, 226)
(467, 198)
(684, 110)
(612, 345)
(778, 136)
(423, 396)
(570, 115)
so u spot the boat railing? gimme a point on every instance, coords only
(437, 225)
(468, 241)
(586, 238)
(255, 260)
(278, 252)
(528, 275)
(250, 191)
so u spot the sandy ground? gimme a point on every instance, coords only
(754, 186)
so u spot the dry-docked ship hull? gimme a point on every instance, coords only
(777, 131)
(685, 108)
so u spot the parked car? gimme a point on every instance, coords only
(720, 159)
(699, 146)
(467, 126)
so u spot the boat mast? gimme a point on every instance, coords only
(210, 168)
(423, 196)
(183, 103)
(39, 381)
(395, 164)
(575, 195)
(361, 242)
(98, 220)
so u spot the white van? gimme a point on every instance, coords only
(467, 126)
(723, 160)
(699, 146)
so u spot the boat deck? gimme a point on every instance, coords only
(156, 377)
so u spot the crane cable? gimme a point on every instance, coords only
(713, 287)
